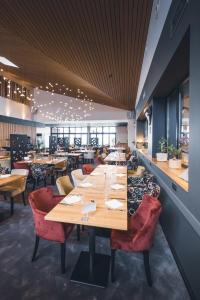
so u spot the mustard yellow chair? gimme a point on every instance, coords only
(16, 188)
(64, 185)
(61, 168)
(139, 172)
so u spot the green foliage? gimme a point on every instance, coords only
(174, 152)
(162, 145)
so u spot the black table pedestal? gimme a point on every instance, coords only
(100, 273)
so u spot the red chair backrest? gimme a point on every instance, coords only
(144, 222)
(20, 165)
(41, 199)
(87, 168)
(41, 203)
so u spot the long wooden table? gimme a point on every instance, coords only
(93, 268)
(116, 157)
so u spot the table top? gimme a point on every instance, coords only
(10, 179)
(101, 178)
(84, 151)
(63, 154)
(117, 148)
(115, 157)
(43, 161)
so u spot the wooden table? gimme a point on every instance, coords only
(93, 268)
(43, 161)
(10, 179)
(115, 157)
(117, 149)
(84, 151)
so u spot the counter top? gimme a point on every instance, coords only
(171, 173)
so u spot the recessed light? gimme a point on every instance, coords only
(7, 62)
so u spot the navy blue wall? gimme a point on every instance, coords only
(181, 210)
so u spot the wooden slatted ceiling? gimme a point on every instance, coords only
(100, 41)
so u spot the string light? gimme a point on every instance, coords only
(65, 112)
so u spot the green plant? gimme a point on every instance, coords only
(174, 152)
(162, 145)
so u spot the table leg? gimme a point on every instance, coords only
(92, 268)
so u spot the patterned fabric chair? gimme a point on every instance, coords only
(41, 202)
(38, 173)
(136, 194)
(140, 234)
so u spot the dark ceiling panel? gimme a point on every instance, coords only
(99, 43)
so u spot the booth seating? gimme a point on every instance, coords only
(41, 202)
(139, 186)
(140, 234)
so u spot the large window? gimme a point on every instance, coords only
(106, 135)
(71, 132)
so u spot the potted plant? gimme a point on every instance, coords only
(174, 157)
(162, 155)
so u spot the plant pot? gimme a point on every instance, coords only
(175, 163)
(161, 156)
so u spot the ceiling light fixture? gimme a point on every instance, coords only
(7, 62)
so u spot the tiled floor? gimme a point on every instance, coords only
(23, 280)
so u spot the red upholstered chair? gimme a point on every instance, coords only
(21, 165)
(87, 169)
(42, 201)
(140, 234)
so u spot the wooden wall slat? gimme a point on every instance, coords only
(9, 128)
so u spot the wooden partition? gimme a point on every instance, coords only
(9, 128)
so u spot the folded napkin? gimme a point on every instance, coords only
(120, 175)
(5, 175)
(113, 204)
(85, 184)
(117, 186)
(95, 174)
(72, 199)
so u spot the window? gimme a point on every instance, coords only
(106, 135)
(184, 121)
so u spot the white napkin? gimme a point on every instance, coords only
(71, 199)
(117, 186)
(113, 204)
(5, 175)
(95, 174)
(120, 175)
(85, 184)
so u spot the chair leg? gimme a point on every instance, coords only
(78, 232)
(62, 257)
(23, 198)
(37, 239)
(11, 206)
(147, 267)
(113, 251)
(83, 227)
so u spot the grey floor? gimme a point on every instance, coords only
(21, 279)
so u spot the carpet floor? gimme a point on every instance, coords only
(22, 280)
